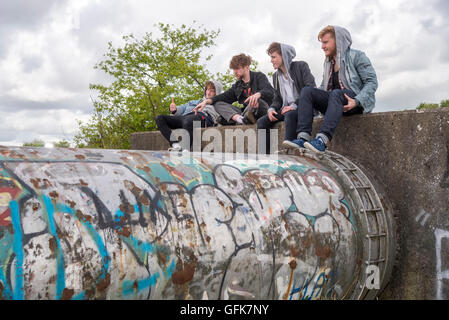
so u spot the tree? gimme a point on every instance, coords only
(443, 104)
(34, 143)
(62, 144)
(146, 74)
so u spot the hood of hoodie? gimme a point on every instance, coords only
(343, 42)
(218, 88)
(288, 53)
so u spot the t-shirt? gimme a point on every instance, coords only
(288, 90)
(335, 82)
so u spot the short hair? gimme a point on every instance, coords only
(326, 30)
(240, 61)
(209, 85)
(274, 47)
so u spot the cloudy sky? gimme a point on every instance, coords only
(48, 49)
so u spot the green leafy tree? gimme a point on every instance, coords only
(62, 144)
(34, 143)
(443, 104)
(146, 73)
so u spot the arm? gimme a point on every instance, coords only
(264, 87)
(227, 96)
(368, 76)
(186, 107)
(277, 99)
(307, 76)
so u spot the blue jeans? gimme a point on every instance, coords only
(329, 103)
(290, 119)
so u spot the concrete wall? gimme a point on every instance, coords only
(408, 154)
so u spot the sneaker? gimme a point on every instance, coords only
(294, 144)
(249, 118)
(175, 147)
(317, 145)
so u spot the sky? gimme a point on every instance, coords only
(48, 49)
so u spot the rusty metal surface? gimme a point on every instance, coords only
(107, 224)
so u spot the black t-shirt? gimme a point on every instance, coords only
(335, 82)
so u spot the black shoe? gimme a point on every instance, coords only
(249, 118)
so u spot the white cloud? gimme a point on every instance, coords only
(46, 62)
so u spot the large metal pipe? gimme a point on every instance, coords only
(104, 224)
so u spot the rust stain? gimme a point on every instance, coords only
(124, 232)
(71, 203)
(161, 258)
(79, 214)
(52, 245)
(208, 239)
(36, 182)
(104, 283)
(52, 279)
(292, 267)
(80, 157)
(54, 195)
(293, 264)
(295, 252)
(190, 223)
(84, 184)
(36, 206)
(185, 274)
(67, 294)
(128, 208)
(144, 200)
(323, 252)
(203, 225)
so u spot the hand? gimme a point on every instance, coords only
(271, 116)
(286, 109)
(200, 107)
(172, 107)
(351, 104)
(253, 101)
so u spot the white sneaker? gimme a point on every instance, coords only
(175, 147)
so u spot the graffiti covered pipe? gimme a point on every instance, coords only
(109, 224)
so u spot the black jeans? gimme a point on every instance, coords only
(167, 123)
(290, 118)
(330, 103)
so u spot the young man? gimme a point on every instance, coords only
(252, 89)
(183, 116)
(288, 81)
(348, 88)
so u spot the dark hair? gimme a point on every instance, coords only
(240, 61)
(209, 84)
(274, 47)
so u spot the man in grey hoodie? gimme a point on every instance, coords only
(288, 81)
(348, 87)
(183, 116)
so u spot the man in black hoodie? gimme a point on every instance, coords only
(252, 90)
(288, 80)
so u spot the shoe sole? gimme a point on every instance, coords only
(290, 145)
(310, 147)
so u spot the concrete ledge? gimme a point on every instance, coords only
(407, 153)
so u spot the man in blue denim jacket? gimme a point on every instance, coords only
(348, 88)
(183, 116)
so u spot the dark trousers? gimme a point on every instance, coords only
(290, 118)
(329, 103)
(227, 110)
(167, 123)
